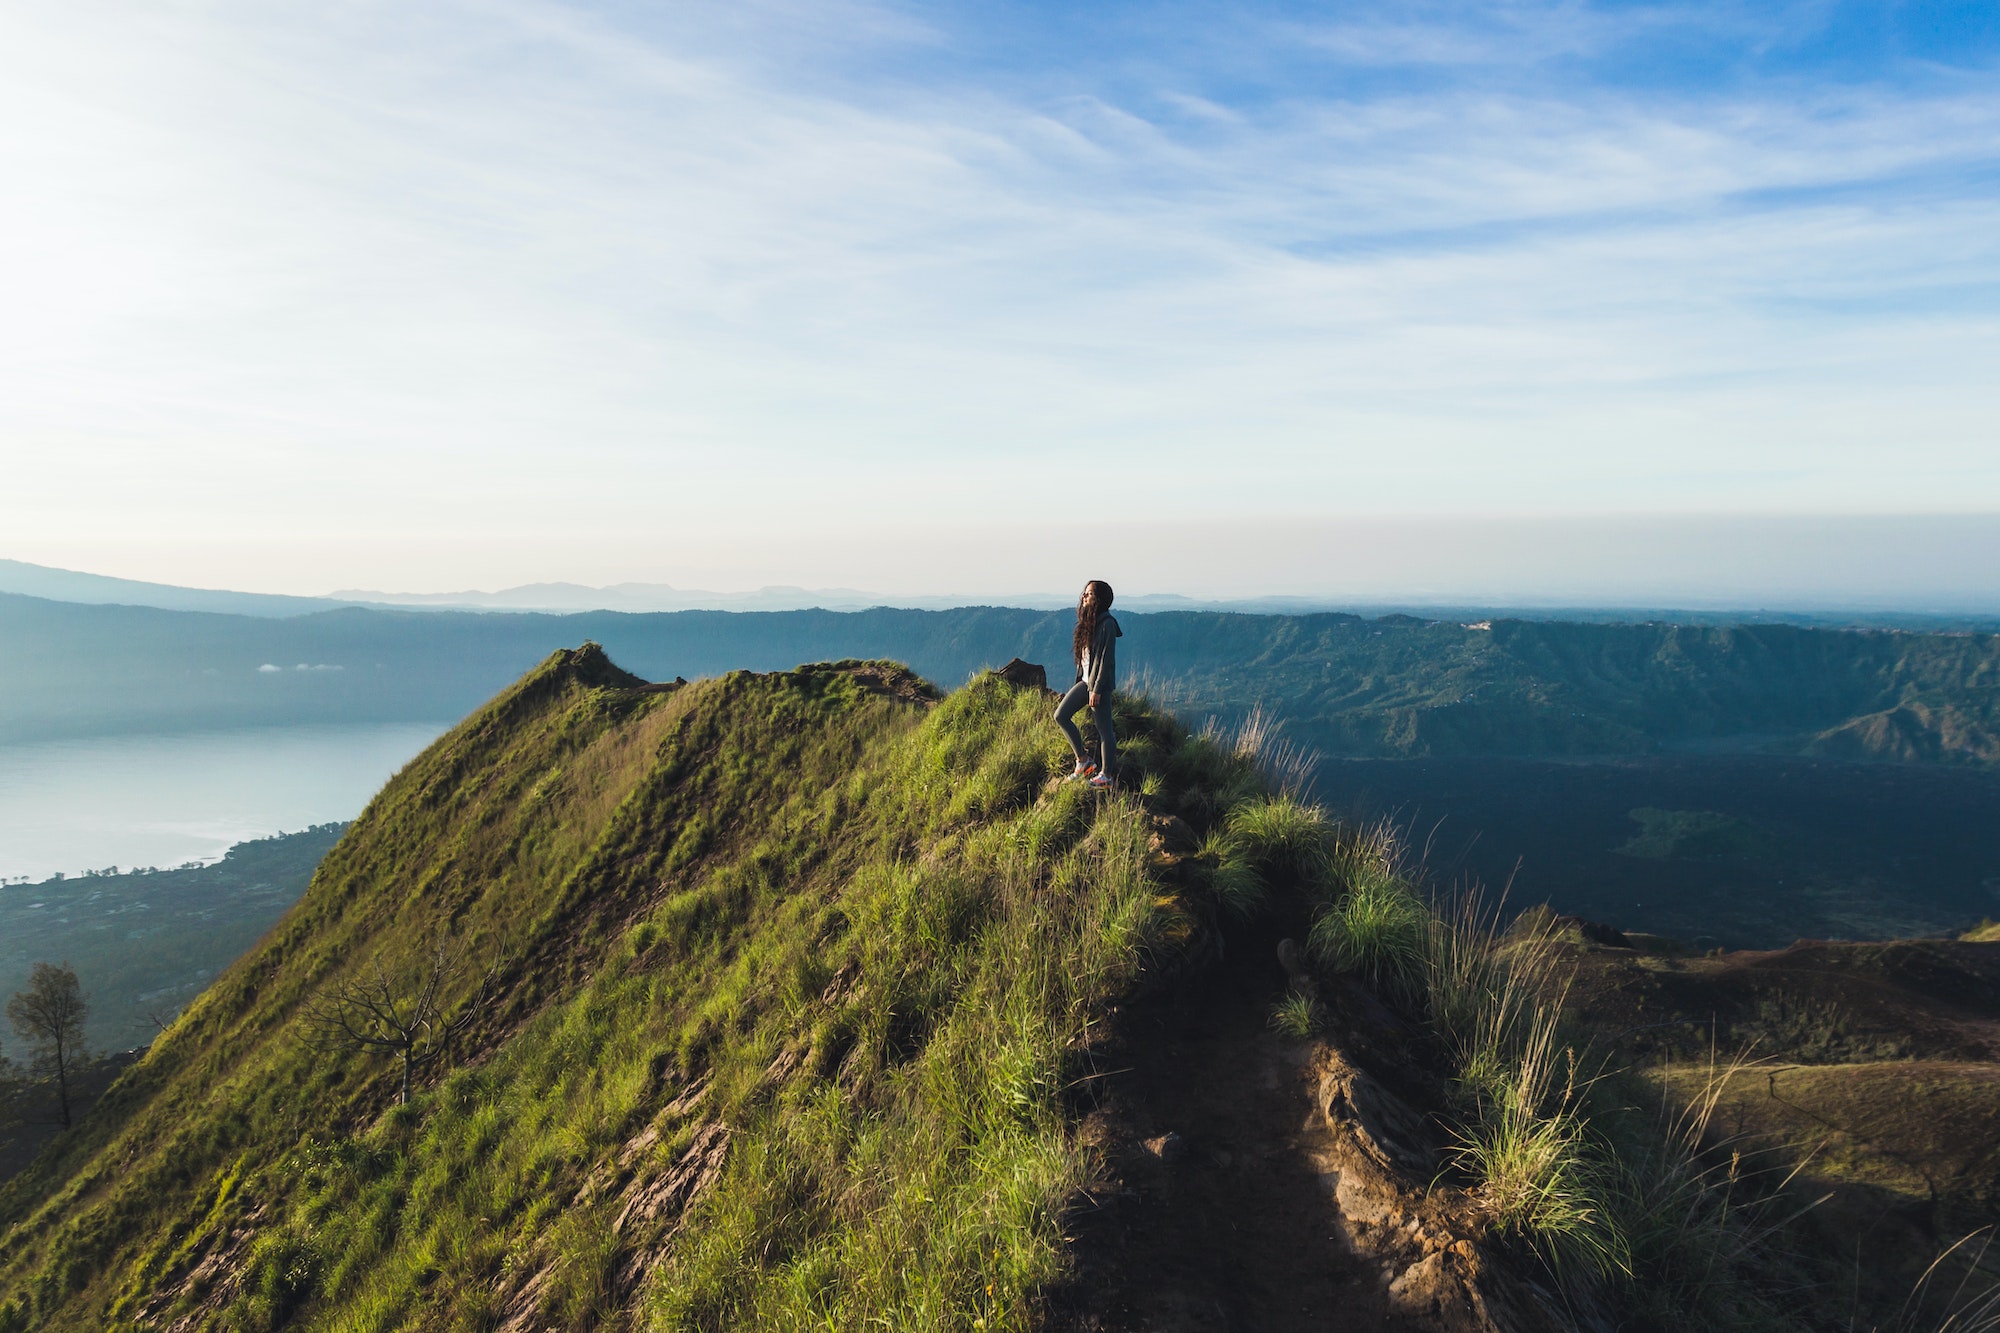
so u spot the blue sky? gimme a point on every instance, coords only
(430, 296)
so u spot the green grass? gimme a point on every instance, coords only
(817, 968)
(865, 938)
(1666, 835)
(1372, 922)
(1627, 1198)
(1298, 1016)
(1282, 837)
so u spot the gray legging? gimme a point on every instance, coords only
(1078, 696)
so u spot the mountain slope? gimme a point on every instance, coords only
(68, 585)
(816, 1000)
(1354, 687)
(787, 974)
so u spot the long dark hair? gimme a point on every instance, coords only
(1096, 600)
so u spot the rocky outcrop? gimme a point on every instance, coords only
(652, 1194)
(1026, 675)
(1426, 1238)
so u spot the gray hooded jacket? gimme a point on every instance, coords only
(1099, 668)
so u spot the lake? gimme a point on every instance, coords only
(133, 801)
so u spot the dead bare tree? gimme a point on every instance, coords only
(403, 1014)
(49, 1016)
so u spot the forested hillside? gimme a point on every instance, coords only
(1394, 686)
(147, 942)
(1542, 687)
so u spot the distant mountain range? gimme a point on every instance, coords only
(1392, 686)
(64, 585)
(68, 585)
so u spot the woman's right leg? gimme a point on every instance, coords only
(1078, 696)
(1107, 738)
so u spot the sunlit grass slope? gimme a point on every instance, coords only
(774, 998)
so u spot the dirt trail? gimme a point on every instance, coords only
(1214, 1213)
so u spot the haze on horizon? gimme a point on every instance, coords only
(1685, 301)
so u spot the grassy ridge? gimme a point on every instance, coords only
(805, 960)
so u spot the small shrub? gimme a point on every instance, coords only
(1379, 930)
(1483, 987)
(1282, 837)
(1298, 1016)
(1544, 1183)
(1233, 880)
(642, 938)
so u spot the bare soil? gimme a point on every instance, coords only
(1874, 1069)
(1816, 1002)
(1211, 1211)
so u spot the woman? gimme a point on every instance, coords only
(1094, 648)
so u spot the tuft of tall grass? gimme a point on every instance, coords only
(1231, 875)
(1529, 1143)
(1378, 930)
(1257, 739)
(1652, 1209)
(1377, 927)
(1973, 1303)
(1695, 1203)
(1283, 837)
(1298, 1016)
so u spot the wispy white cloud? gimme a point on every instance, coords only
(573, 297)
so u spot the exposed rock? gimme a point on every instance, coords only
(653, 1211)
(1171, 834)
(1026, 675)
(784, 1063)
(843, 986)
(1596, 932)
(1298, 970)
(1426, 1236)
(674, 1189)
(215, 1278)
(522, 1313)
(697, 1092)
(1380, 1123)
